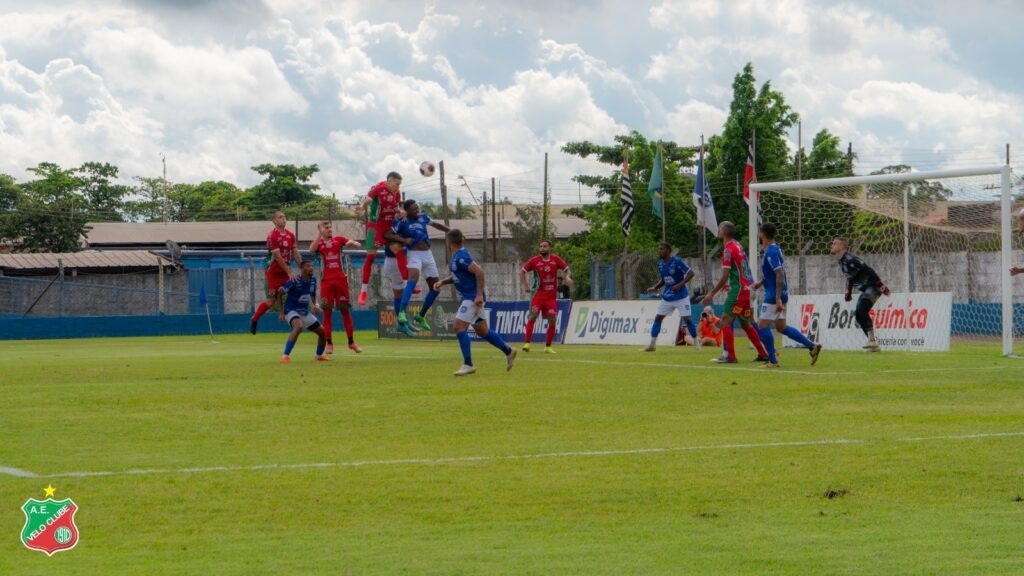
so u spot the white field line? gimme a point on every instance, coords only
(494, 458)
(739, 367)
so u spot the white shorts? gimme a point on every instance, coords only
(392, 275)
(768, 312)
(469, 313)
(308, 319)
(422, 260)
(665, 307)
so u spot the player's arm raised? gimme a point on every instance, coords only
(440, 226)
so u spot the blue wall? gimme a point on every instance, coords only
(17, 328)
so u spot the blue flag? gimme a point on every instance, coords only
(655, 188)
(702, 198)
(202, 296)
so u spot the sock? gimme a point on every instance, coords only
(729, 342)
(428, 302)
(793, 334)
(346, 318)
(398, 305)
(691, 329)
(368, 266)
(496, 340)
(467, 354)
(529, 329)
(655, 329)
(755, 339)
(768, 340)
(403, 268)
(407, 294)
(364, 288)
(551, 333)
(261, 310)
(288, 345)
(320, 345)
(328, 314)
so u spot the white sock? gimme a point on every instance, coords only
(365, 288)
(654, 342)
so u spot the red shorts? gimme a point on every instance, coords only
(545, 304)
(334, 292)
(274, 280)
(740, 306)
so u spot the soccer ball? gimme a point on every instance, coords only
(427, 168)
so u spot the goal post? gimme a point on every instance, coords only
(937, 232)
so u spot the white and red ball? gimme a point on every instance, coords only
(427, 168)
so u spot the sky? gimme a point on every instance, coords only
(363, 88)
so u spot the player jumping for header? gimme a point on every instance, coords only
(862, 277)
(736, 273)
(776, 296)
(383, 200)
(412, 232)
(545, 267)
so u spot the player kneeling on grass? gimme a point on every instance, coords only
(468, 278)
(862, 277)
(300, 294)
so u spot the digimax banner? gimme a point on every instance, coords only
(917, 321)
(618, 322)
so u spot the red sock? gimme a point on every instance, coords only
(368, 264)
(403, 269)
(346, 318)
(551, 334)
(529, 330)
(327, 323)
(730, 342)
(261, 310)
(755, 339)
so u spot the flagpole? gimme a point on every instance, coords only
(663, 206)
(701, 227)
(625, 237)
(753, 208)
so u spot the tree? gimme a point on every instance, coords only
(10, 193)
(104, 199)
(763, 113)
(827, 160)
(52, 216)
(922, 195)
(458, 212)
(284, 185)
(525, 231)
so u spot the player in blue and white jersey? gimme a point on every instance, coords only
(412, 232)
(301, 309)
(468, 278)
(776, 296)
(674, 275)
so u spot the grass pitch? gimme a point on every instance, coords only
(188, 457)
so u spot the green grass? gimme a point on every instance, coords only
(600, 460)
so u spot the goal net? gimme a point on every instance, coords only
(943, 242)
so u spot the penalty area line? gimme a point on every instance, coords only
(760, 370)
(502, 458)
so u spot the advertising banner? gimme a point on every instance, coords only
(507, 318)
(917, 321)
(618, 322)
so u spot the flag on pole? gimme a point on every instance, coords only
(749, 177)
(702, 198)
(627, 198)
(655, 188)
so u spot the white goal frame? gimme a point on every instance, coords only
(1005, 222)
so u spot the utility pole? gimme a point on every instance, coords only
(163, 186)
(444, 208)
(547, 205)
(483, 207)
(849, 159)
(494, 222)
